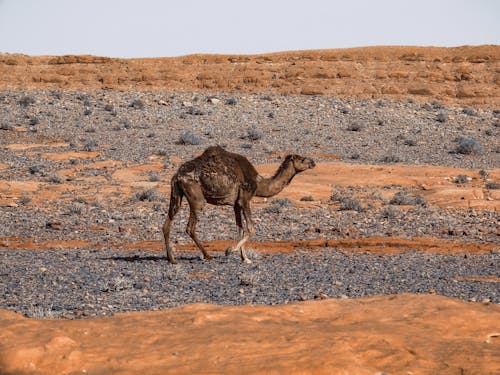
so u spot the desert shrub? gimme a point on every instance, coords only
(6, 127)
(252, 134)
(34, 121)
(492, 186)
(390, 212)
(409, 142)
(461, 179)
(39, 312)
(153, 177)
(468, 111)
(277, 205)
(26, 101)
(484, 173)
(188, 138)
(354, 127)
(35, 169)
(109, 107)
(137, 104)
(404, 198)
(307, 198)
(55, 178)
(90, 146)
(149, 195)
(442, 117)
(467, 146)
(351, 204)
(196, 111)
(390, 159)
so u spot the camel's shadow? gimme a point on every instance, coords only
(152, 258)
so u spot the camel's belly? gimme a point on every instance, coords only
(219, 190)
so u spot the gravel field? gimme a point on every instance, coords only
(133, 127)
(88, 283)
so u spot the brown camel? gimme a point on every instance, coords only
(221, 178)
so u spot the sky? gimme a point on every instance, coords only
(155, 28)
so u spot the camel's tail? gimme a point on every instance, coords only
(176, 195)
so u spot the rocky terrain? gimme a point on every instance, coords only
(460, 76)
(405, 198)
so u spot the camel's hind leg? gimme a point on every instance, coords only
(196, 201)
(175, 204)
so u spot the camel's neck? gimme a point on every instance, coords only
(267, 187)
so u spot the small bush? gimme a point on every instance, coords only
(109, 108)
(253, 134)
(55, 178)
(90, 146)
(442, 117)
(277, 205)
(390, 159)
(150, 195)
(188, 138)
(351, 204)
(468, 111)
(307, 198)
(390, 212)
(6, 127)
(34, 121)
(137, 104)
(26, 101)
(355, 127)
(468, 146)
(461, 179)
(403, 198)
(492, 186)
(196, 112)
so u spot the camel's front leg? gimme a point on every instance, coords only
(250, 231)
(239, 224)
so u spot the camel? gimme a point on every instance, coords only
(219, 177)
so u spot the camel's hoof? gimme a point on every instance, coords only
(247, 261)
(208, 257)
(229, 250)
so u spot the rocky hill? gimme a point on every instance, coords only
(460, 76)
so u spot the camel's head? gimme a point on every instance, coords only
(301, 163)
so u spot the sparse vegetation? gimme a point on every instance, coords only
(149, 195)
(351, 204)
(354, 127)
(390, 212)
(252, 134)
(137, 104)
(188, 138)
(277, 205)
(442, 117)
(25, 101)
(404, 198)
(390, 159)
(90, 146)
(467, 146)
(461, 179)
(307, 198)
(492, 186)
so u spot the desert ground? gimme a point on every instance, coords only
(382, 259)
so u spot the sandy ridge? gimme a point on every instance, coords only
(460, 76)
